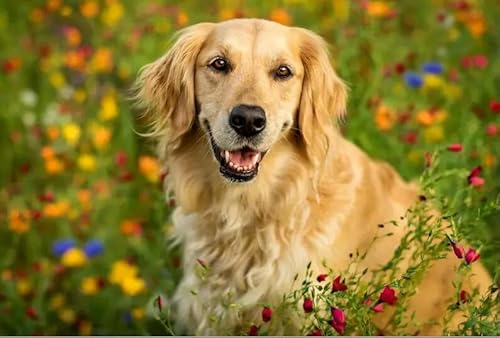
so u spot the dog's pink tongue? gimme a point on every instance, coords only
(242, 158)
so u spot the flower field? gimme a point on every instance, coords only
(83, 220)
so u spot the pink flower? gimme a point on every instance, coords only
(480, 61)
(338, 285)
(253, 331)
(316, 332)
(455, 147)
(308, 305)
(464, 296)
(458, 250)
(471, 256)
(388, 295)
(491, 129)
(121, 158)
(321, 277)
(267, 313)
(379, 307)
(338, 320)
(476, 181)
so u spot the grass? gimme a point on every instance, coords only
(83, 221)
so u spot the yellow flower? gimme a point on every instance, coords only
(71, 132)
(149, 167)
(414, 157)
(23, 287)
(452, 91)
(66, 11)
(86, 162)
(54, 166)
(67, 315)
(102, 136)
(384, 118)
(102, 60)
(281, 16)
(121, 270)
(341, 9)
(109, 109)
(138, 313)
(428, 117)
(57, 209)
(73, 258)
(432, 81)
(89, 8)
(378, 8)
(79, 95)
(57, 301)
(132, 286)
(113, 13)
(89, 286)
(434, 134)
(18, 221)
(57, 80)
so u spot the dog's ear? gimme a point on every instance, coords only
(165, 88)
(323, 98)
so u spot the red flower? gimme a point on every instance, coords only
(475, 171)
(495, 106)
(321, 277)
(455, 147)
(337, 285)
(121, 158)
(31, 312)
(253, 331)
(491, 129)
(379, 307)
(480, 61)
(464, 296)
(388, 295)
(266, 314)
(308, 305)
(338, 320)
(159, 303)
(458, 250)
(399, 68)
(316, 332)
(471, 256)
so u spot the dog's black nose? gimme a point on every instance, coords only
(247, 120)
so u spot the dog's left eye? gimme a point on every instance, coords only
(283, 72)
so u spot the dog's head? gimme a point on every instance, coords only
(246, 84)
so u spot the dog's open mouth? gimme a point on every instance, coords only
(239, 165)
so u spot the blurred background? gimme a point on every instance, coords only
(83, 221)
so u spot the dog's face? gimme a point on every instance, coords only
(246, 83)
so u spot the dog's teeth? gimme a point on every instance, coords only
(231, 164)
(226, 155)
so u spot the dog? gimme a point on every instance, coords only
(246, 116)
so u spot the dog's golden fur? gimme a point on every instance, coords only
(316, 196)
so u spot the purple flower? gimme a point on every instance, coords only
(93, 248)
(413, 80)
(432, 67)
(61, 246)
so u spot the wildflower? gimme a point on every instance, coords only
(266, 314)
(471, 256)
(434, 134)
(102, 136)
(182, 19)
(432, 81)
(28, 97)
(149, 167)
(121, 270)
(338, 320)
(399, 68)
(321, 277)
(112, 14)
(72, 35)
(133, 285)
(432, 68)
(378, 9)
(457, 249)
(388, 295)
(102, 61)
(84, 328)
(480, 61)
(464, 296)
(131, 227)
(61, 246)
(11, 65)
(54, 210)
(57, 301)
(491, 129)
(338, 285)
(71, 133)
(495, 106)
(67, 315)
(476, 181)
(379, 307)
(109, 108)
(410, 137)
(308, 305)
(54, 166)
(413, 80)
(384, 117)
(24, 287)
(121, 158)
(89, 286)
(281, 16)
(253, 331)
(159, 303)
(89, 8)
(455, 147)
(73, 258)
(315, 332)
(93, 248)
(18, 221)
(86, 162)
(138, 313)
(31, 312)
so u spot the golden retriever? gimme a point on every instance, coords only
(245, 113)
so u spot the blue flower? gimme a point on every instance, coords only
(61, 246)
(413, 80)
(127, 318)
(93, 248)
(433, 68)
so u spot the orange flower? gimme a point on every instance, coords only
(131, 227)
(47, 152)
(18, 221)
(281, 16)
(57, 209)
(53, 5)
(37, 15)
(149, 167)
(102, 135)
(84, 197)
(74, 60)
(182, 19)
(379, 9)
(73, 36)
(430, 117)
(52, 133)
(89, 8)
(54, 165)
(102, 60)
(384, 118)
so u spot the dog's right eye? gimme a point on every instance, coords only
(220, 64)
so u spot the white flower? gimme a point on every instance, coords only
(28, 97)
